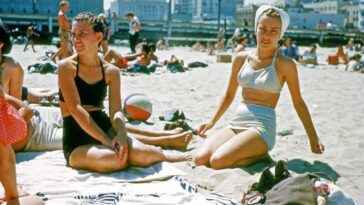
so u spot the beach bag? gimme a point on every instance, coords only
(293, 190)
(13, 127)
(333, 60)
(281, 188)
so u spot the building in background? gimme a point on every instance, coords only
(207, 10)
(327, 6)
(182, 10)
(303, 15)
(146, 10)
(354, 15)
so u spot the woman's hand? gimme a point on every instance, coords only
(316, 146)
(120, 146)
(203, 128)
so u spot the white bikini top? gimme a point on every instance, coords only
(265, 79)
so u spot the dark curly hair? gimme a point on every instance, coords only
(5, 39)
(92, 19)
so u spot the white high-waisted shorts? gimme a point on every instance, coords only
(47, 132)
(256, 117)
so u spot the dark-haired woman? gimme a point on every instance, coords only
(92, 139)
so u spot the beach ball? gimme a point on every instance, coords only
(137, 106)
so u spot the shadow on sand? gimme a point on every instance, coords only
(298, 166)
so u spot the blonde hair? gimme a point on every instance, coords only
(101, 16)
(271, 13)
(62, 3)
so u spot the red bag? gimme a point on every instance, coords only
(333, 60)
(13, 127)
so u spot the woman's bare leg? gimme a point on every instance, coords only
(7, 172)
(177, 140)
(26, 200)
(112, 55)
(243, 149)
(210, 145)
(35, 95)
(102, 159)
(146, 155)
(148, 133)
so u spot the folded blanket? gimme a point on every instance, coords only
(45, 174)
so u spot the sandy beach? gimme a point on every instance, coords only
(334, 97)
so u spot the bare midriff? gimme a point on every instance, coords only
(259, 97)
(88, 108)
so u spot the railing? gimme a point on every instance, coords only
(189, 32)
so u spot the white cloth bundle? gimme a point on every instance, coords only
(283, 15)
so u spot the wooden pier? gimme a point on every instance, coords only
(182, 32)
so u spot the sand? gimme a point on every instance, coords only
(334, 97)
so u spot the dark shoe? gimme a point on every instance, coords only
(170, 126)
(266, 181)
(281, 171)
(186, 126)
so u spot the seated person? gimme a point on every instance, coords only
(240, 45)
(7, 162)
(160, 44)
(210, 49)
(309, 56)
(92, 139)
(289, 50)
(174, 64)
(12, 74)
(220, 46)
(143, 57)
(342, 57)
(45, 130)
(354, 64)
(198, 47)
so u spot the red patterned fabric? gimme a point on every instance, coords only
(13, 127)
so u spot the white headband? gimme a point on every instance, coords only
(282, 14)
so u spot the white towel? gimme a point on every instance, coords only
(283, 15)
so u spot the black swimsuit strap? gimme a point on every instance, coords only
(102, 67)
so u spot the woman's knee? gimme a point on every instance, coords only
(202, 157)
(218, 161)
(103, 164)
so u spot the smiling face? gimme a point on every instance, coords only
(268, 31)
(84, 38)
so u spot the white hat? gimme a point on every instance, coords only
(282, 14)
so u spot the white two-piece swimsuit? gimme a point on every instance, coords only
(258, 117)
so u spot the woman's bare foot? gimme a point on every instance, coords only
(180, 140)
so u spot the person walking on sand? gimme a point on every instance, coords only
(30, 37)
(92, 139)
(107, 34)
(64, 29)
(261, 73)
(134, 29)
